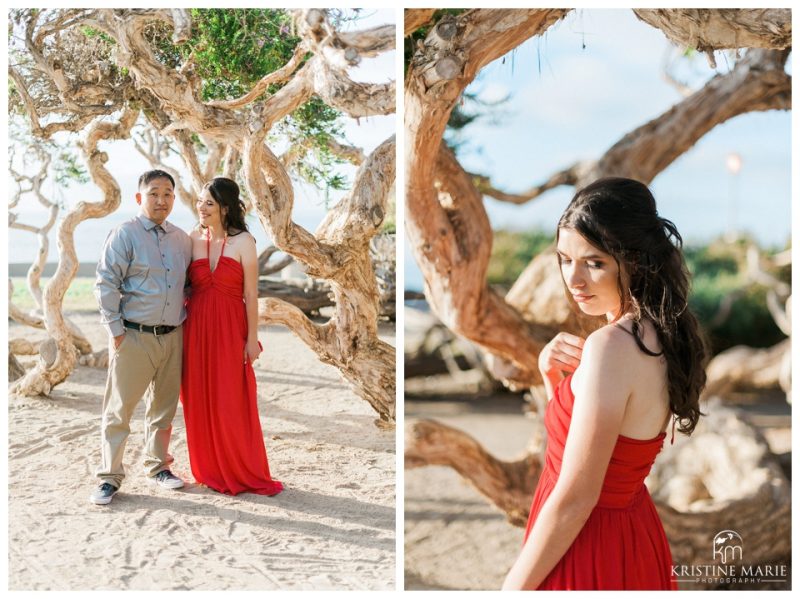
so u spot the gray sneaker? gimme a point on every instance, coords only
(166, 479)
(103, 494)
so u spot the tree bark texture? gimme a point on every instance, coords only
(446, 222)
(719, 29)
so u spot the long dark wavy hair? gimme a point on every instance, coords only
(619, 217)
(226, 193)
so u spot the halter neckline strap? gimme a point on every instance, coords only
(208, 246)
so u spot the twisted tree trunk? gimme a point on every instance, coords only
(35, 271)
(56, 364)
(338, 252)
(448, 228)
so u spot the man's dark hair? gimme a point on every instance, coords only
(155, 174)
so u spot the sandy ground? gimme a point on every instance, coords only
(453, 537)
(332, 528)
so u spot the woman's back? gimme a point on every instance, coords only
(644, 379)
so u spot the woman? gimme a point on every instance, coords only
(218, 386)
(592, 523)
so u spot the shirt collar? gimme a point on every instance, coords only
(150, 225)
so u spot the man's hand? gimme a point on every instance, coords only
(118, 340)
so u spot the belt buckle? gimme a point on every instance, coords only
(155, 330)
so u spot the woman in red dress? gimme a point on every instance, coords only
(592, 524)
(218, 386)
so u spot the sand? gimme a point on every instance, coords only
(453, 537)
(332, 528)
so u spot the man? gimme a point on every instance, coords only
(140, 281)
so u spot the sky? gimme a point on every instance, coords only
(126, 164)
(577, 90)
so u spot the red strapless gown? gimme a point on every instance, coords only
(218, 390)
(622, 545)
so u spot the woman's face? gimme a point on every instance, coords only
(208, 210)
(589, 274)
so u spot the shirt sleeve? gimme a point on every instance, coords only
(111, 271)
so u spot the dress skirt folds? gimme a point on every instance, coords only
(622, 545)
(218, 388)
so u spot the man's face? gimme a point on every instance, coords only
(156, 199)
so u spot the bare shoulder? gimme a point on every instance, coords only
(242, 241)
(609, 345)
(196, 234)
(607, 364)
(237, 237)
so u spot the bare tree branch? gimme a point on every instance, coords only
(758, 82)
(416, 18)
(569, 176)
(707, 30)
(508, 485)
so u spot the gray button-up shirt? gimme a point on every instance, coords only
(141, 275)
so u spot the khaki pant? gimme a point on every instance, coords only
(143, 362)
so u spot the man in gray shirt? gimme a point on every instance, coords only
(140, 287)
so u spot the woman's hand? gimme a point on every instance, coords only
(561, 354)
(252, 350)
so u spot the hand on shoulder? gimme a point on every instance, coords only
(561, 354)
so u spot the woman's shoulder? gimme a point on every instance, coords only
(612, 349)
(240, 236)
(615, 347)
(196, 233)
(609, 339)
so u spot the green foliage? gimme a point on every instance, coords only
(316, 124)
(719, 270)
(68, 170)
(234, 48)
(91, 32)
(512, 252)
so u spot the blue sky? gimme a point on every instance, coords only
(570, 103)
(126, 164)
